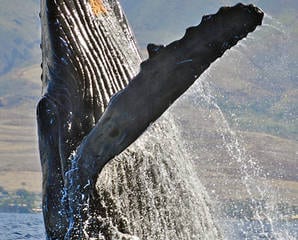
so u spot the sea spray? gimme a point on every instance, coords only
(151, 191)
(264, 217)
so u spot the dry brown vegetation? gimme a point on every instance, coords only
(275, 172)
(19, 163)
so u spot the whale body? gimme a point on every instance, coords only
(98, 97)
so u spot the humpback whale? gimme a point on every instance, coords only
(98, 97)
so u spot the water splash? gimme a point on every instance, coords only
(264, 219)
(152, 192)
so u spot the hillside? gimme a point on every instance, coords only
(19, 34)
(19, 163)
(223, 156)
(255, 85)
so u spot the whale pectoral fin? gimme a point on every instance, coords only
(167, 74)
(53, 183)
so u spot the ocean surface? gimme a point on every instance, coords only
(14, 226)
(23, 226)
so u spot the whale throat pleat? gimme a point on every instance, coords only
(86, 48)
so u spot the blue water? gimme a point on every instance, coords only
(14, 226)
(257, 230)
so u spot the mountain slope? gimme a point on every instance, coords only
(19, 34)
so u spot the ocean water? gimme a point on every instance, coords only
(14, 226)
(260, 230)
